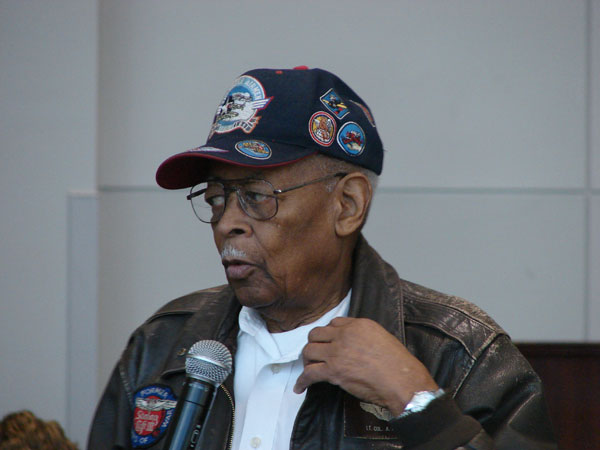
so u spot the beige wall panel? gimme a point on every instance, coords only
(48, 105)
(594, 98)
(152, 250)
(465, 93)
(593, 318)
(519, 257)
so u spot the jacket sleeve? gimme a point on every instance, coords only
(506, 396)
(109, 428)
(441, 426)
(499, 405)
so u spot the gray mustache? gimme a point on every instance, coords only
(229, 251)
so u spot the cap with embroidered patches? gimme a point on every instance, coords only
(273, 117)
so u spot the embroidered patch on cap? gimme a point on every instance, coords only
(254, 149)
(366, 111)
(351, 138)
(334, 103)
(154, 408)
(240, 105)
(322, 128)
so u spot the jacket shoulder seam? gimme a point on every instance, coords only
(490, 330)
(188, 304)
(474, 361)
(416, 293)
(126, 385)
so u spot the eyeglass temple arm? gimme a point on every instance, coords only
(281, 191)
(192, 195)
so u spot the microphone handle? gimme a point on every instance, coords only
(190, 414)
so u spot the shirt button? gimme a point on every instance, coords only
(275, 368)
(255, 442)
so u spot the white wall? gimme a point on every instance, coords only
(483, 108)
(48, 85)
(489, 112)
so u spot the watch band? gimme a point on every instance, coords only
(420, 400)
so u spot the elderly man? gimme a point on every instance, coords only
(332, 350)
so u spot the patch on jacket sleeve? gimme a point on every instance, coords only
(154, 408)
(366, 420)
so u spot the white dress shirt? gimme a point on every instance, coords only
(267, 366)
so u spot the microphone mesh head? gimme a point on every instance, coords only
(209, 361)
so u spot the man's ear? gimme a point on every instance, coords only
(353, 195)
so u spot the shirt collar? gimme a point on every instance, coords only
(286, 346)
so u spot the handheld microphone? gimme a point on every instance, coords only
(207, 365)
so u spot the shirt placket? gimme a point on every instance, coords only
(259, 429)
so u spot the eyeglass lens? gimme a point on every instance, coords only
(255, 197)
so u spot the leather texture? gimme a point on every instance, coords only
(494, 399)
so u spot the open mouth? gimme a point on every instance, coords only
(237, 269)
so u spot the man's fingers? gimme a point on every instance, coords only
(313, 373)
(329, 332)
(321, 334)
(315, 352)
(341, 321)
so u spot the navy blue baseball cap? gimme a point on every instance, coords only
(273, 117)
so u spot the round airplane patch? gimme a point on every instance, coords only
(322, 128)
(240, 106)
(154, 408)
(254, 149)
(351, 138)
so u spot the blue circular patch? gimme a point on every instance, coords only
(154, 408)
(351, 138)
(254, 149)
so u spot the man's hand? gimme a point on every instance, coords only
(362, 358)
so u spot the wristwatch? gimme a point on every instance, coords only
(420, 400)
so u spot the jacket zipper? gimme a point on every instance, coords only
(230, 444)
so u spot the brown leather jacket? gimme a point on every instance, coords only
(494, 399)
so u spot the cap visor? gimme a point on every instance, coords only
(191, 167)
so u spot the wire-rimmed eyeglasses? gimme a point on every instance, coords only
(258, 198)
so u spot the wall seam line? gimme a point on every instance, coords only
(587, 172)
(110, 189)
